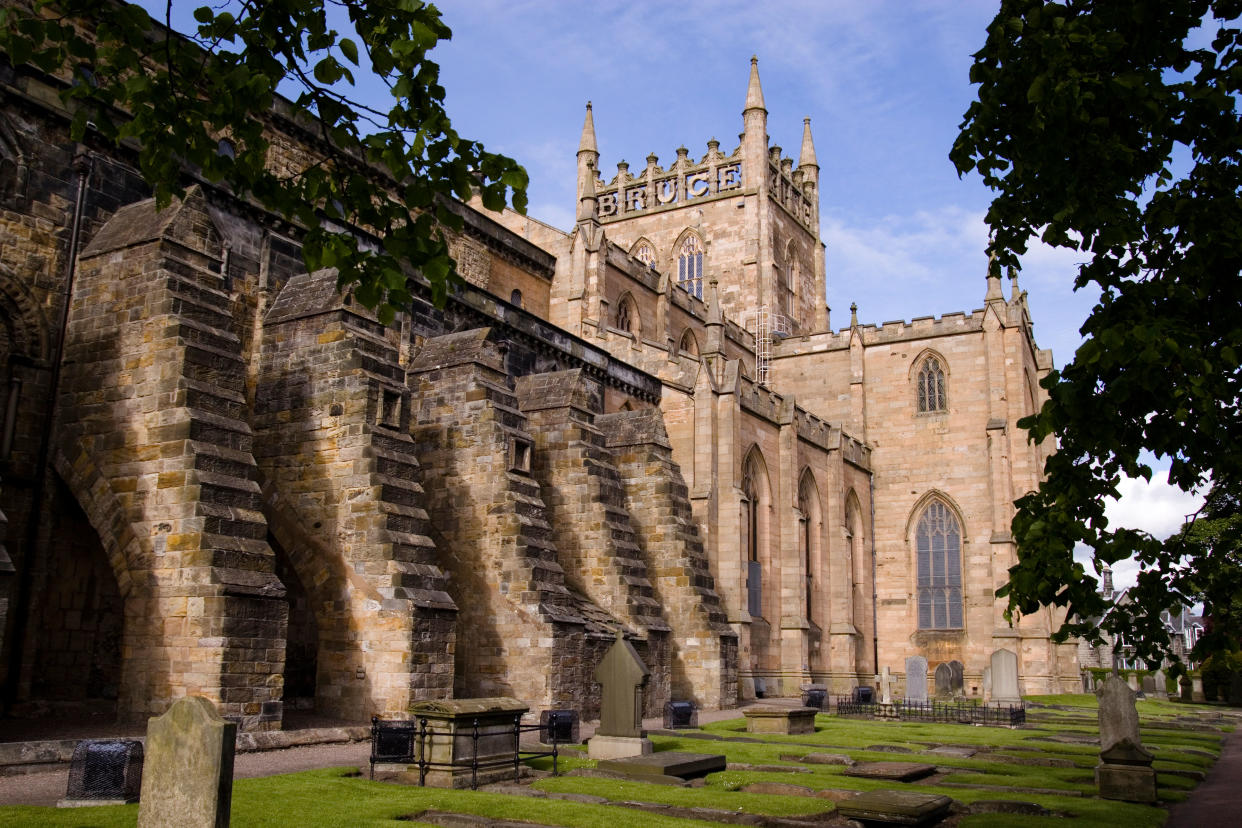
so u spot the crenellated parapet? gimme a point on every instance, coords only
(714, 176)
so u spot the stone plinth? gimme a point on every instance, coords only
(1129, 783)
(450, 740)
(600, 746)
(791, 721)
(895, 807)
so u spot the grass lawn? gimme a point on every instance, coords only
(1047, 762)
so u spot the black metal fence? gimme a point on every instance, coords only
(960, 712)
(406, 742)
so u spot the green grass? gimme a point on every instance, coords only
(336, 797)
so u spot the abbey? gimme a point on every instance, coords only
(219, 478)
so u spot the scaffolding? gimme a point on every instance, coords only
(766, 326)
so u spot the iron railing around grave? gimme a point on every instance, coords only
(405, 742)
(960, 712)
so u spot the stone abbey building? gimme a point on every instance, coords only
(220, 479)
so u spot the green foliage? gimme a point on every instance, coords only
(385, 170)
(1105, 128)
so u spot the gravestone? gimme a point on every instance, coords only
(1086, 682)
(1125, 771)
(1132, 682)
(916, 679)
(895, 807)
(987, 682)
(1196, 689)
(944, 677)
(621, 675)
(1184, 685)
(1149, 685)
(1162, 685)
(791, 721)
(666, 765)
(1005, 677)
(957, 675)
(449, 743)
(885, 683)
(187, 777)
(895, 771)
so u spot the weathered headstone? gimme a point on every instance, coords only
(1125, 771)
(944, 675)
(1185, 686)
(957, 677)
(1149, 684)
(987, 682)
(1196, 689)
(187, 778)
(621, 675)
(1162, 685)
(1005, 688)
(1086, 682)
(885, 683)
(1132, 681)
(916, 679)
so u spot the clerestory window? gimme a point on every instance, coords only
(690, 266)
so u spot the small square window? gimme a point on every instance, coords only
(390, 408)
(519, 455)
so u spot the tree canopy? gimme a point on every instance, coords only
(1112, 129)
(205, 101)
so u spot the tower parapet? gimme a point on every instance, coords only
(715, 175)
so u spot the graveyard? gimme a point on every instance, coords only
(1039, 773)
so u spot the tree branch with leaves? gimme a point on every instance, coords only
(178, 97)
(1112, 129)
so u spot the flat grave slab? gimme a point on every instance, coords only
(895, 807)
(666, 763)
(897, 771)
(953, 750)
(818, 758)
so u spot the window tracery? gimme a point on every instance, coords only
(930, 386)
(690, 266)
(938, 542)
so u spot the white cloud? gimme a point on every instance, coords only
(1156, 507)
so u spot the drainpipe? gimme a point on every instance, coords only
(875, 617)
(83, 164)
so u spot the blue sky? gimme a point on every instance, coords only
(885, 83)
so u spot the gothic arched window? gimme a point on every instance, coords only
(688, 346)
(645, 253)
(627, 316)
(930, 386)
(750, 529)
(690, 266)
(938, 540)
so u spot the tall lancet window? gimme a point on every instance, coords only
(930, 389)
(938, 539)
(690, 266)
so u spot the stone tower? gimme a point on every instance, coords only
(748, 220)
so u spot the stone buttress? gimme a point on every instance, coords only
(585, 499)
(522, 632)
(704, 646)
(153, 437)
(345, 505)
